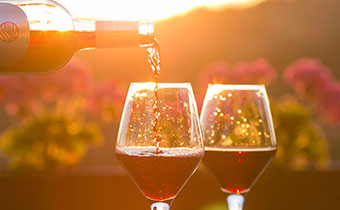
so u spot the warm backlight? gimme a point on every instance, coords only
(142, 9)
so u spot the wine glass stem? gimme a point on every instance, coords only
(235, 202)
(160, 206)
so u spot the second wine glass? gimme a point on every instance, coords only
(159, 140)
(239, 137)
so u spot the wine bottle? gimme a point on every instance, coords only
(40, 36)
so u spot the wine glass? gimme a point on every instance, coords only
(159, 140)
(239, 137)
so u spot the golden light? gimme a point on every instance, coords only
(143, 9)
(43, 18)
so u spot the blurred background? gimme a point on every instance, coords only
(58, 131)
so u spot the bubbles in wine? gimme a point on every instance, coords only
(160, 176)
(154, 60)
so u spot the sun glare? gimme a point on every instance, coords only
(139, 9)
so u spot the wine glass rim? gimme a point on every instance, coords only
(238, 86)
(162, 85)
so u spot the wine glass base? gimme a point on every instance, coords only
(235, 202)
(160, 206)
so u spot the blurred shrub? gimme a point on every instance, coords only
(48, 143)
(301, 142)
(54, 118)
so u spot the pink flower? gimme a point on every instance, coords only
(217, 73)
(257, 72)
(11, 109)
(329, 103)
(12, 88)
(309, 77)
(29, 92)
(104, 95)
(314, 82)
(74, 78)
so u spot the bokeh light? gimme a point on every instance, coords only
(147, 9)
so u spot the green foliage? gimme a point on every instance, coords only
(52, 119)
(301, 142)
(48, 143)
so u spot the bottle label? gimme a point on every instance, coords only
(117, 34)
(14, 34)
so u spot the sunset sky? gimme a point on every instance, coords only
(142, 9)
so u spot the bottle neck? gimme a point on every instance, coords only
(113, 34)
